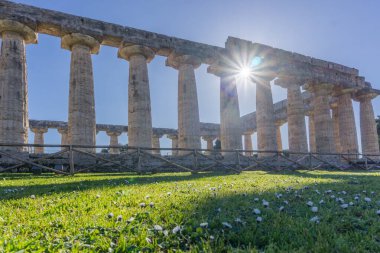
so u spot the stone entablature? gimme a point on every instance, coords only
(59, 24)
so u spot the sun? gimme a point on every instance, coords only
(245, 72)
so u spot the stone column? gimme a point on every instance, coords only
(14, 121)
(312, 145)
(368, 129)
(188, 112)
(265, 122)
(296, 114)
(39, 139)
(156, 143)
(347, 127)
(335, 119)
(114, 141)
(322, 119)
(210, 143)
(278, 136)
(64, 134)
(139, 109)
(81, 122)
(248, 143)
(174, 139)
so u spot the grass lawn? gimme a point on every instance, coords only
(306, 211)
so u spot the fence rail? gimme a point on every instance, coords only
(72, 159)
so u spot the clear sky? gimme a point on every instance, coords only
(342, 31)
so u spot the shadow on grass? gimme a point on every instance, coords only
(83, 182)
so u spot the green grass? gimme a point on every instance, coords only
(70, 214)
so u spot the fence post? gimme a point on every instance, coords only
(71, 160)
(195, 161)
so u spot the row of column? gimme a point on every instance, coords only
(82, 121)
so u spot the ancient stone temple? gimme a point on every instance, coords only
(320, 90)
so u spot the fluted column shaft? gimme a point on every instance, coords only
(174, 139)
(114, 141)
(81, 122)
(248, 143)
(312, 145)
(188, 110)
(39, 139)
(230, 129)
(296, 119)
(14, 121)
(278, 137)
(156, 143)
(322, 119)
(64, 134)
(210, 143)
(139, 106)
(347, 127)
(265, 122)
(335, 119)
(368, 130)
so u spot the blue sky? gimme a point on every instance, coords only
(343, 31)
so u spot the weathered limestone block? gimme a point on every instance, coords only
(14, 121)
(248, 143)
(114, 141)
(347, 127)
(156, 143)
(335, 119)
(139, 107)
(64, 136)
(188, 110)
(368, 130)
(39, 139)
(322, 119)
(210, 143)
(174, 139)
(81, 122)
(295, 114)
(265, 122)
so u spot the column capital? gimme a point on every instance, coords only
(175, 60)
(364, 95)
(209, 137)
(41, 130)
(62, 130)
(172, 136)
(289, 82)
(319, 89)
(69, 40)
(279, 123)
(113, 133)
(155, 135)
(25, 31)
(128, 50)
(220, 69)
(248, 132)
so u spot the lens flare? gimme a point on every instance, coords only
(256, 61)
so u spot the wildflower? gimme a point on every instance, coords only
(286, 202)
(314, 209)
(203, 225)
(256, 199)
(328, 191)
(257, 211)
(157, 227)
(378, 212)
(259, 219)
(367, 199)
(151, 204)
(176, 229)
(321, 202)
(169, 193)
(148, 240)
(119, 218)
(32, 196)
(351, 203)
(344, 206)
(130, 219)
(110, 215)
(142, 204)
(309, 203)
(97, 196)
(226, 224)
(281, 208)
(212, 237)
(165, 232)
(315, 219)
(265, 203)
